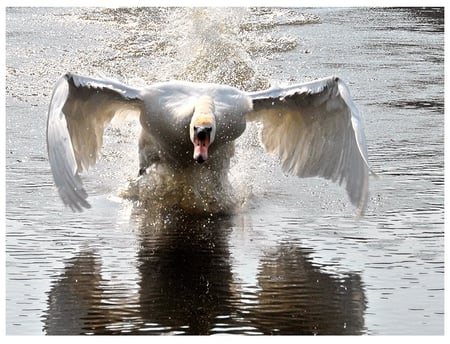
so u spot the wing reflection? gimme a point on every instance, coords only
(74, 299)
(186, 286)
(298, 297)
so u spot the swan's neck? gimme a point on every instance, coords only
(204, 112)
(203, 116)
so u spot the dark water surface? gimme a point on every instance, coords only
(293, 259)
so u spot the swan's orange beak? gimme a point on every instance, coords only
(201, 144)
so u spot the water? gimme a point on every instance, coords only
(292, 259)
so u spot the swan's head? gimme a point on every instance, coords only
(202, 128)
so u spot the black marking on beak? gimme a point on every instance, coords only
(200, 159)
(202, 132)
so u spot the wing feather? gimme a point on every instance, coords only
(79, 109)
(316, 130)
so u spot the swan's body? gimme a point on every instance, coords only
(314, 128)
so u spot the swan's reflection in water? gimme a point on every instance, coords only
(185, 273)
(186, 285)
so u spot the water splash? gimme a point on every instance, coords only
(214, 50)
(216, 45)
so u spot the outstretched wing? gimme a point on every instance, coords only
(316, 130)
(80, 108)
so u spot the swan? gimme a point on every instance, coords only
(314, 128)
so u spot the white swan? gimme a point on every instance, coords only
(314, 128)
